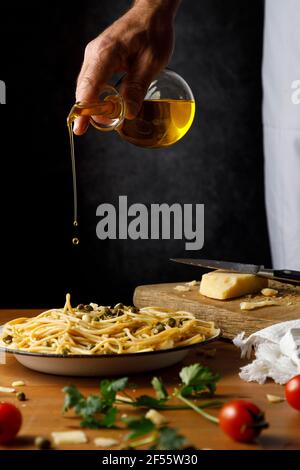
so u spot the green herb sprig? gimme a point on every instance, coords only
(101, 411)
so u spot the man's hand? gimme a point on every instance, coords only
(139, 43)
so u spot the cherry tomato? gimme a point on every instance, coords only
(292, 392)
(242, 420)
(10, 422)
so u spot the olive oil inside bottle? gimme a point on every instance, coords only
(160, 123)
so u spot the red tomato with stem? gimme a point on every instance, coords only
(242, 420)
(292, 392)
(10, 422)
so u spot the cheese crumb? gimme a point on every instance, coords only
(157, 418)
(69, 437)
(7, 390)
(254, 305)
(191, 283)
(268, 292)
(86, 317)
(95, 306)
(182, 288)
(105, 442)
(274, 398)
(18, 383)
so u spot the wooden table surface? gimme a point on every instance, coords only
(42, 411)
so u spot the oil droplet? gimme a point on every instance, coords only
(75, 241)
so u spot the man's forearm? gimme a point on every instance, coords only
(168, 7)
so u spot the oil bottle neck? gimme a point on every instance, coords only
(110, 108)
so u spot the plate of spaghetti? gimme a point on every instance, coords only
(90, 340)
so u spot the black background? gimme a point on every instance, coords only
(219, 163)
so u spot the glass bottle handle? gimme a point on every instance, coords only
(110, 112)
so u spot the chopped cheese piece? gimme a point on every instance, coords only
(267, 292)
(157, 418)
(182, 288)
(254, 305)
(124, 399)
(18, 383)
(105, 442)
(274, 398)
(69, 437)
(222, 285)
(7, 390)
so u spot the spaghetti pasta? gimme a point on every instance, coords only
(92, 330)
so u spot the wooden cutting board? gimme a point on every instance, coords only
(225, 313)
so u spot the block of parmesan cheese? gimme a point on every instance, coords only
(223, 285)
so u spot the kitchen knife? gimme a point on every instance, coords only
(283, 275)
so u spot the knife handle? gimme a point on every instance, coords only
(286, 275)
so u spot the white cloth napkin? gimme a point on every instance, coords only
(277, 351)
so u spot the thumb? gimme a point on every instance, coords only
(133, 89)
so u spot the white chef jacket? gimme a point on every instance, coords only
(281, 120)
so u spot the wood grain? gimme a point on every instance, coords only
(225, 313)
(42, 411)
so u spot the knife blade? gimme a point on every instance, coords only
(283, 275)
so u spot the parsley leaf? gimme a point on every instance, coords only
(109, 388)
(110, 418)
(138, 426)
(197, 378)
(164, 438)
(72, 397)
(92, 405)
(146, 401)
(169, 439)
(159, 388)
(91, 408)
(107, 421)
